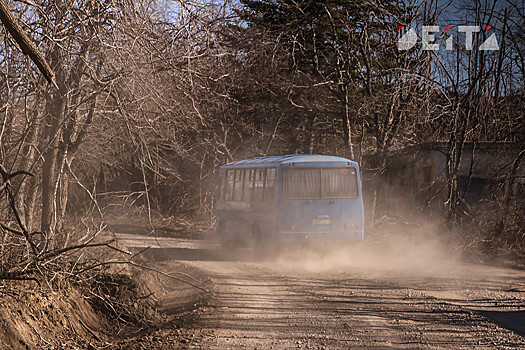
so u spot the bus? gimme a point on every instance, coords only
(289, 199)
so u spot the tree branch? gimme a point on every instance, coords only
(27, 47)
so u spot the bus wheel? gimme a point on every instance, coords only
(256, 239)
(226, 242)
(263, 249)
(256, 236)
(221, 229)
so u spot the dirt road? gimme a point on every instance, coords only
(413, 297)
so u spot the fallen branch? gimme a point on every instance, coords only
(17, 232)
(6, 185)
(18, 276)
(12, 230)
(58, 252)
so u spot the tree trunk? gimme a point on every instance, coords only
(347, 125)
(28, 187)
(56, 110)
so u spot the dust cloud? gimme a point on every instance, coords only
(416, 251)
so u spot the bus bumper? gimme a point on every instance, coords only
(331, 236)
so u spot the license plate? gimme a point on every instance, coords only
(322, 221)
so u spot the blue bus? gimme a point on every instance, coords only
(293, 198)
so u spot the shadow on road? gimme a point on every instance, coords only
(184, 254)
(513, 320)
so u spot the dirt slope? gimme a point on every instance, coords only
(73, 317)
(34, 318)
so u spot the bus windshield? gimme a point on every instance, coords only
(320, 183)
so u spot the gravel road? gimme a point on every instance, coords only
(415, 297)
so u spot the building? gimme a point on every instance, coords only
(416, 176)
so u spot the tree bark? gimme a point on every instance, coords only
(347, 125)
(56, 110)
(28, 48)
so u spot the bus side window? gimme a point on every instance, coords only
(238, 184)
(269, 184)
(248, 185)
(258, 191)
(218, 188)
(228, 185)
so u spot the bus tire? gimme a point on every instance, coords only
(255, 234)
(221, 229)
(258, 243)
(226, 243)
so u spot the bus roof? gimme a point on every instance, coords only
(298, 159)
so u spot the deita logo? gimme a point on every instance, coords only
(428, 40)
